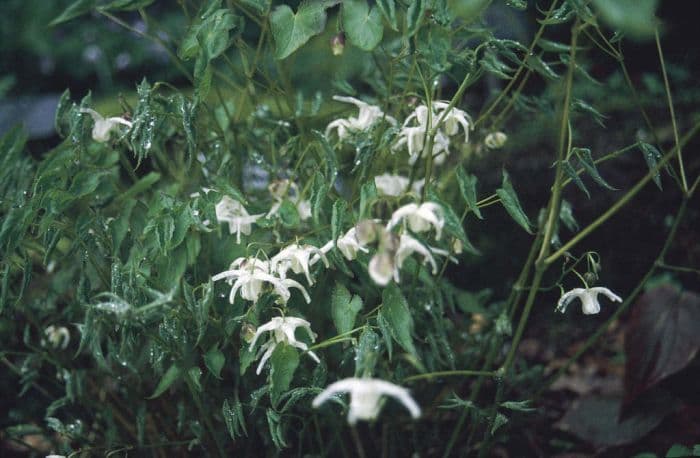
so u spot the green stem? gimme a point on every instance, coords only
(626, 198)
(627, 302)
(673, 112)
(431, 375)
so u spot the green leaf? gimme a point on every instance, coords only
(634, 18)
(468, 10)
(651, 157)
(510, 202)
(453, 225)
(340, 207)
(170, 376)
(368, 195)
(214, 359)
(520, 406)
(536, 63)
(233, 417)
(289, 215)
(292, 30)
(388, 9)
(331, 159)
(363, 26)
(499, 421)
(86, 182)
(398, 316)
(366, 353)
(283, 363)
(414, 16)
(320, 191)
(137, 188)
(570, 171)
(566, 215)
(126, 5)
(467, 186)
(77, 8)
(344, 308)
(517, 4)
(579, 104)
(586, 160)
(679, 451)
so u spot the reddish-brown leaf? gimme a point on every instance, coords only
(662, 337)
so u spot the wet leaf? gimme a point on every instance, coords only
(344, 308)
(510, 202)
(283, 363)
(214, 359)
(662, 338)
(651, 157)
(398, 317)
(170, 376)
(467, 186)
(233, 417)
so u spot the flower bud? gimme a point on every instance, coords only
(338, 44)
(495, 140)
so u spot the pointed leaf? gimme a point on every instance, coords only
(586, 160)
(340, 207)
(77, 8)
(283, 363)
(398, 316)
(344, 308)
(170, 376)
(388, 9)
(510, 202)
(651, 157)
(573, 176)
(233, 417)
(214, 359)
(366, 353)
(467, 185)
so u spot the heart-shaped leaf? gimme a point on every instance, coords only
(362, 25)
(291, 30)
(663, 336)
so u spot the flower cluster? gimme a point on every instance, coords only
(418, 125)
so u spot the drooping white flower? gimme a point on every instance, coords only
(282, 331)
(367, 116)
(382, 268)
(387, 264)
(103, 127)
(420, 218)
(234, 213)
(298, 258)
(452, 120)
(58, 336)
(365, 394)
(396, 185)
(589, 299)
(249, 275)
(349, 245)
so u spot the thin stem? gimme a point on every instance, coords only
(621, 203)
(358, 443)
(456, 373)
(539, 33)
(627, 302)
(673, 112)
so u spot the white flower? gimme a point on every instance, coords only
(284, 188)
(234, 213)
(250, 274)
(383, 266)
(103, 127)
(365, 394)
(58, 336)
(419, 217)
(415, 128)
(349, 245)
(589, 299)
(296, 257)
(453, 119)
(367, 116)
(282, 329)
(396, 185)
(495, 140)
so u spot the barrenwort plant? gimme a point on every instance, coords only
(275, 254)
